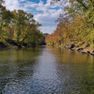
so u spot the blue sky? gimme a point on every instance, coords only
(43, 11)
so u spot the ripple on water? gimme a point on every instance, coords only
(34, 86)
(48, 75)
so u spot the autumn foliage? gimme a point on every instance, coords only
(76, 24)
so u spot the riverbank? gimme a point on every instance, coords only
(82, 48)
(11, 44)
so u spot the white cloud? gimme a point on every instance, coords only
(11, 5)
(48, 21)
(48, 15)
(48, 29)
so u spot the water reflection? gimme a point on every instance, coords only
(78, 71)
(46, 71)
(16, 65)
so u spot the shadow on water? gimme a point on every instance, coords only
(46, 71)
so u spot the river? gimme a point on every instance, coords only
(46, 71)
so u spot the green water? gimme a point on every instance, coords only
(46, 71)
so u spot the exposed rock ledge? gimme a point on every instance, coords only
(83, 49)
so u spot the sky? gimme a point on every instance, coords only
(44, 12)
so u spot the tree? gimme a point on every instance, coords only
(76, 24)
(19, 26)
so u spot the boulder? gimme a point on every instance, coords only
(70, 46)
(79, 49)
(85, 51)
(92, 52)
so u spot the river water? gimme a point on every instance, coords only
(46, 71)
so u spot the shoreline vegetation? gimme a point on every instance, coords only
(19, 29)
(83, 48)
(75, 29)
(11, 44)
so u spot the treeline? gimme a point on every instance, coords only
(76, 25)
(18, 28)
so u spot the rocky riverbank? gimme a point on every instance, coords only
(82, 48)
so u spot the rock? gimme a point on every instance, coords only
(84, 48)
(70, 46)
(92, 52)
(79, 49)
(82, 51)
(86, 51)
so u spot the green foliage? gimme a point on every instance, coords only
(77, 26)
(19, 26)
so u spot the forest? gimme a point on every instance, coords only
(18, 29)
(75, 27)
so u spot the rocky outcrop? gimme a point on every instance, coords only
(92, 52)
(82, 48)
(70, 46)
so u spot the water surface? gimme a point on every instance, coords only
(46, 71)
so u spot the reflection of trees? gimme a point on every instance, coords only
(69, 56)
(75, 71)
(16, 65)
